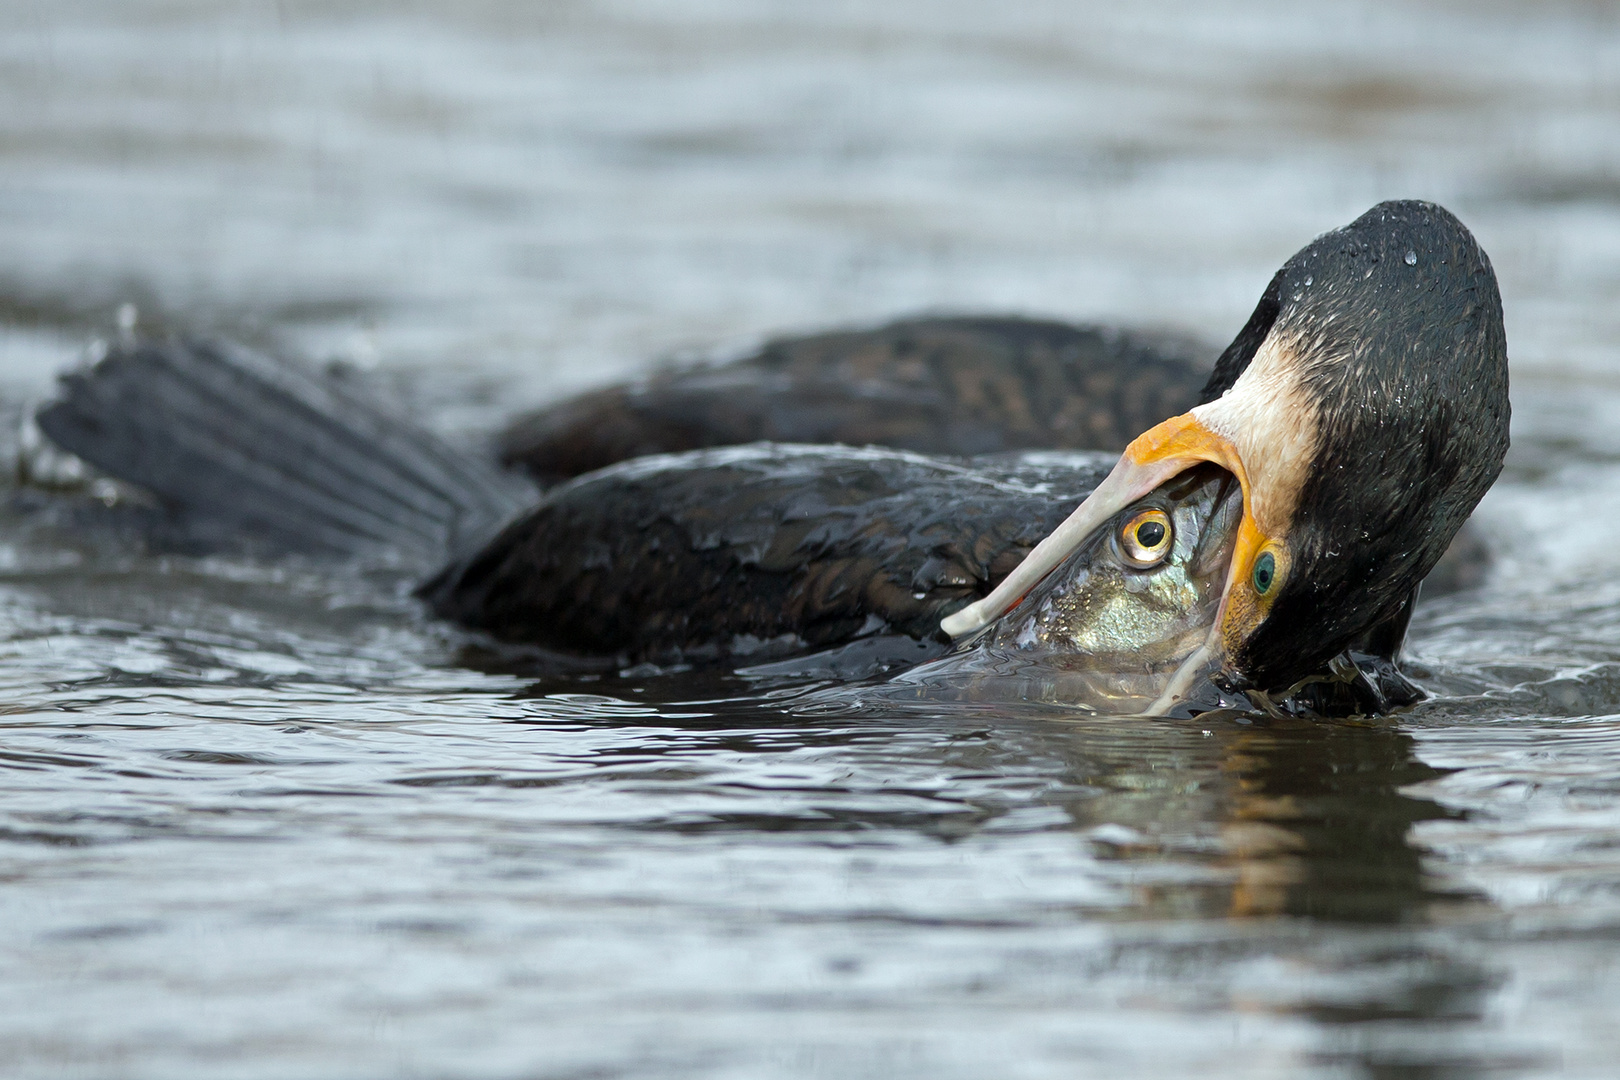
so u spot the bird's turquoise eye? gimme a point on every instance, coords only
(1265, 571)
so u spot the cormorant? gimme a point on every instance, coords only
(1260, 548)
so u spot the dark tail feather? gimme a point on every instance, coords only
(247, 449)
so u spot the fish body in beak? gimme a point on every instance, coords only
(1123, 624)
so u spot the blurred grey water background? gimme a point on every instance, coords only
(257, 821)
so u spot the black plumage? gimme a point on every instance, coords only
(247, 451)
(965, 385)
(759, 551)
(1403, 352)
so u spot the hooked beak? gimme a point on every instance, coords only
(1153, 459)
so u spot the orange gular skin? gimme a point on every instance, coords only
(1185, 441)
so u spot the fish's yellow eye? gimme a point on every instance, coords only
(1146, 538)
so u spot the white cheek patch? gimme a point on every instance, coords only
(1274, 425)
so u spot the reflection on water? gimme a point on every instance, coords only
(613, 868)
(259, 820)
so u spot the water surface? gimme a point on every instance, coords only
(266, 821)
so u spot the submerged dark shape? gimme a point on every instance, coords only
(1267, 542)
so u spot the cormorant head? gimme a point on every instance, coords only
(1364, 411)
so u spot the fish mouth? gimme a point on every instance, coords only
(1154, 458)
(1151, 462)
(1108, 632)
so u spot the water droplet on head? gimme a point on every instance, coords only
(1309, 280)
(1411, 258)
